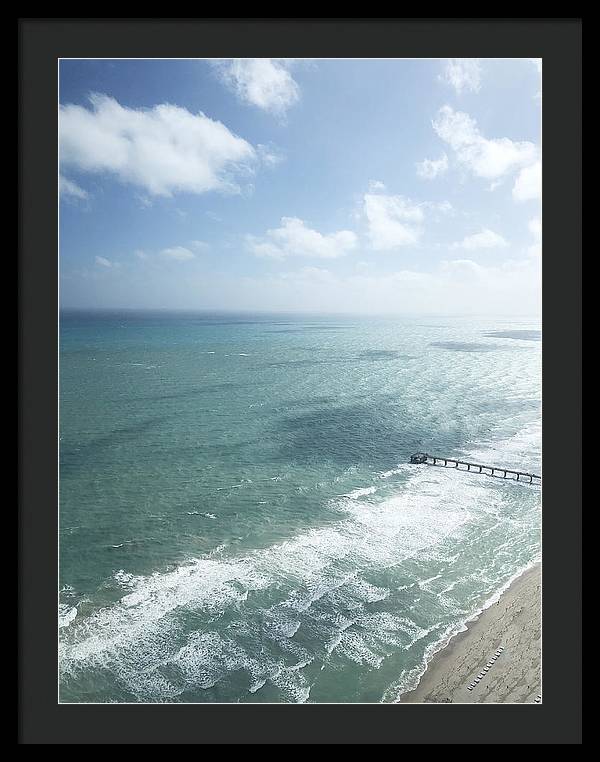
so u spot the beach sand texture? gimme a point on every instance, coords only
(512, 624)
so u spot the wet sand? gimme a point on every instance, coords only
(514, 623)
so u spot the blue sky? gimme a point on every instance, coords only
(376, 186)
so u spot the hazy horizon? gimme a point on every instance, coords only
(297, 313)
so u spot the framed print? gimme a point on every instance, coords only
(284, 375)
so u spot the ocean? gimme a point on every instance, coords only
(239, 521)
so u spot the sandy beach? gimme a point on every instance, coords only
(513, 624)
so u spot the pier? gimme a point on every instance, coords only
(462, 465)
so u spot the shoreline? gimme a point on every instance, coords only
(512, 623)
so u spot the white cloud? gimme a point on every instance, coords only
(174, 253)
(485, 239)
(440, 209)
(455, 287)
(444, 206)
(535, 228)
(163, 150)
(537, 62)
(144, 201)
(295, 239)
(463, 74)
(178, 253)
(430, 168)
(313, 274)
(103, 262)
(393, 221)
(262, 82)
(528, 185)
(269, 155)
(68, 188)
(488, 158)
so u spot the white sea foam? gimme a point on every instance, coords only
(411, 678)
(521, 451)
(125, 579)
(317, 580)
(145, 615)
(205, 658)
(142, 624)
(393, 472)
(357, 493)
(373, 636)
(66, 614)
(425, 582)
(292, 685)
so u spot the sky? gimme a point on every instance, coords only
(304, 185)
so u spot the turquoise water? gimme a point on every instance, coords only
(238, 520)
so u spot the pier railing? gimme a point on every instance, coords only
(463, 465)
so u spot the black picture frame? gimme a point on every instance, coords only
(41, 43)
